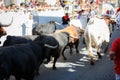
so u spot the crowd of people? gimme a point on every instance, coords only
(28, 6)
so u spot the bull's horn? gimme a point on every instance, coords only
(47, 45)
(6, 25)
(57, 23)
(74, 36)
(82, 31)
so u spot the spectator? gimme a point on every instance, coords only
(8, 8)
(22, 7)
(115, 55)
(80, 14)
(65, 19)
(111, 12)
(12, 7)
(88, 15)
(2, 8)
(118, 18)
(108, 12)
(96, 11)
(117, 10)
(32, 3)
(29, 25)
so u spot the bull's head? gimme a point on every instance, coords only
(73, 39)
(109, 20)
(55, 23)
(2, 31)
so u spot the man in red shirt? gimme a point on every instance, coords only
(115, 55)
(65, 19)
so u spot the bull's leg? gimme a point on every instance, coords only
(37, 70)
(90, 54)
(56, 55)
(62, 52)
(83, 40)
(48, 55)
(99, 55)
(54, 67)
(76, 46)
(70, 45)
(38, 65)
(55, 60)
(98, 51)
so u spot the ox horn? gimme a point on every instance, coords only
(6, 25)
(57, 23)
(74, 36)
(47, 45)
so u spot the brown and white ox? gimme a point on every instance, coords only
(74, 38)
(97, 32)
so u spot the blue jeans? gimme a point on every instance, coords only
(117, 76)
(23, 29)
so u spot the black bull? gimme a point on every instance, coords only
(23, 60)
(62, 38)
(12, 40)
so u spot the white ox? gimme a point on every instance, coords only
(96, 32)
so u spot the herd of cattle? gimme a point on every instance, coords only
(22, 56)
